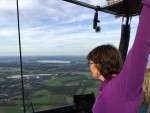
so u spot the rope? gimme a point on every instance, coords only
(22, 83)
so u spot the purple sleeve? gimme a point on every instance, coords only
(132, 74)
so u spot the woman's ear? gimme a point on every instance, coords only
(98, 66)
(99, 69)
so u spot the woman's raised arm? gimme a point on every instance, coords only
(132, 73)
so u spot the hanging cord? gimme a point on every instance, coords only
(22, 83)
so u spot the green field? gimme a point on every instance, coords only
(47, 91)
(54, 93)
(10, 109)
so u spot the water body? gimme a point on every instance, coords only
(32, 75)
(54, 61)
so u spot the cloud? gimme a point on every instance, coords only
(54, 27)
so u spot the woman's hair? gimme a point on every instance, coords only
(109, 60)
(146, 87)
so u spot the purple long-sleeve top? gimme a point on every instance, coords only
(123, 93)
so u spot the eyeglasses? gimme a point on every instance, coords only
(90, 63)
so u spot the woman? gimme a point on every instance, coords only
(145, 104)
(121, 87)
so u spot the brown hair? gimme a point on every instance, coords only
(109, 59)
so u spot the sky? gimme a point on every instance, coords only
(56, 27)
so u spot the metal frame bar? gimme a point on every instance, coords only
(97, 8)
(104, 9)
(82, 4)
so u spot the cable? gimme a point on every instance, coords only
(32, 107)
(22, 82)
